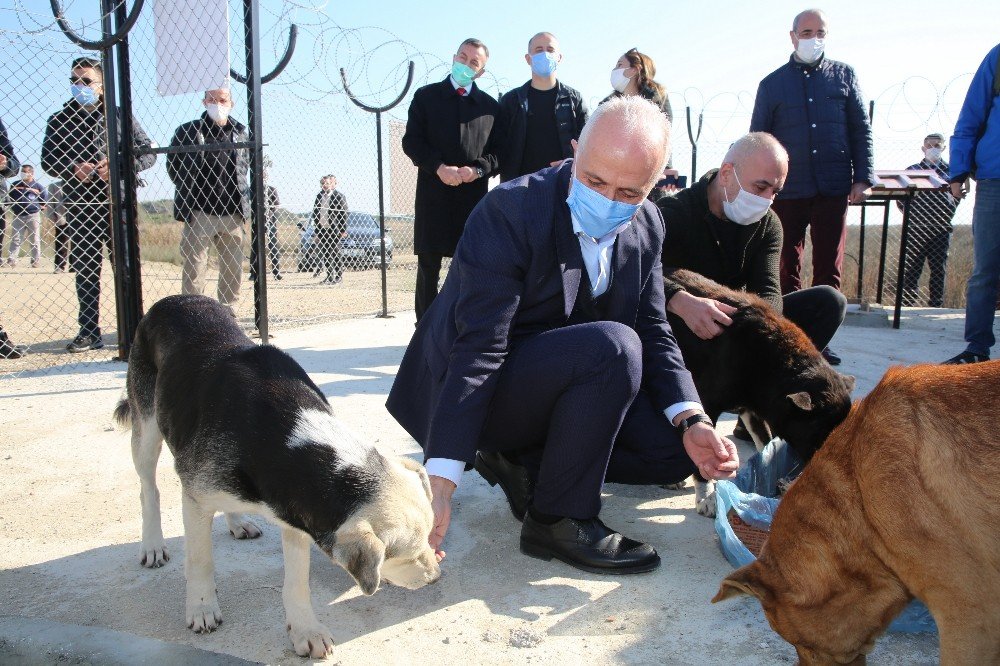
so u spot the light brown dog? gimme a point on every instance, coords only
(902, 501)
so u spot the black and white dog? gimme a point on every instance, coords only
(763, 367)
(251, 433)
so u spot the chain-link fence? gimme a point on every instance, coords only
(939, 248)
(323, 253)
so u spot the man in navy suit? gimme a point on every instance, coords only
(547, 361)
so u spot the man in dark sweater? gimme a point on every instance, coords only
(539, 120)
(724, 229)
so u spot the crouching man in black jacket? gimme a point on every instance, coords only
(723, 228)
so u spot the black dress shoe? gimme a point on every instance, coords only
(589, 545)
(513, 479)
(830, 356)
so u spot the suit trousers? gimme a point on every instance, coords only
(330, 258)
(60, 252)
(90, 231)
(226, 233)
(26, 226)
(826, 220)
(818, 311)
(428, 275)
(567, 403)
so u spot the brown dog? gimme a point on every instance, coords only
(902, 501)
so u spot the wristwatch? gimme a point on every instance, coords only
(700, 417)
(479, 172)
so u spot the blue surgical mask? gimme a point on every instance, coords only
(596, 214)
(85, 95)
(544, 63)
(462, 73)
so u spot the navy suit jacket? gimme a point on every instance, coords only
(516, 273)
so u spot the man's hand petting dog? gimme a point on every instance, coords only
(715, 456)
(704, 316)
(442, 490)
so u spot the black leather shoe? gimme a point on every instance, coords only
(513, 480)
(830, 356)
(589, 545)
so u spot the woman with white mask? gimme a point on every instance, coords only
(634, 74)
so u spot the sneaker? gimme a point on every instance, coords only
(35, 264)
(82, 343)
(277, 276)
(965, 358)
(11, 263)
(830, 356)
(59, 270)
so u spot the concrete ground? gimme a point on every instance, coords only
(70, 525)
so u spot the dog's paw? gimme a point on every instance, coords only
(311, 639)
(706, 507)
(680, 485)
(704, 498)
(153, 556)
(204, 616)
(242, 527)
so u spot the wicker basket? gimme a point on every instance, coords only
(752, 537)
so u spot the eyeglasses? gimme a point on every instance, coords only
(82, 80)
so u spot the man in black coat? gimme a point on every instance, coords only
(539, 120)
(212, 196)
(75, 150)
(329, 218)
(449, 138)
(547, 360)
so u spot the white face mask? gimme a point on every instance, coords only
(745, 208)
(810, 50)
(933, 154)
(618, 79)
(217, 112)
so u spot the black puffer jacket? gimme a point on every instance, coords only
(511, 127)
(196, 176)
(73, 136)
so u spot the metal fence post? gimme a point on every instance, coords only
(258, 213)
(377, 110)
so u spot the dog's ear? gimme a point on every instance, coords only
(421, 472)
(361, 553)
(745, 580)
(848, 382)
(802, 400)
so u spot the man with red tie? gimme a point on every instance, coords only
(448, 137)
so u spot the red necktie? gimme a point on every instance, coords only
(460, 92)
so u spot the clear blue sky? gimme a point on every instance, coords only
(708, 55)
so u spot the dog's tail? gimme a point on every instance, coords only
(123, 413)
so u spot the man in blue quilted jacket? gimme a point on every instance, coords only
(814, 107)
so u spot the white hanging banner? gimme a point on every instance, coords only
(192, 45)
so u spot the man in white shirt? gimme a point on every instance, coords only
(547, 362)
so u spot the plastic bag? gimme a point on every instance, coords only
(753, 495)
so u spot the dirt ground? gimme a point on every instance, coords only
(70, 525)
(38, 308)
